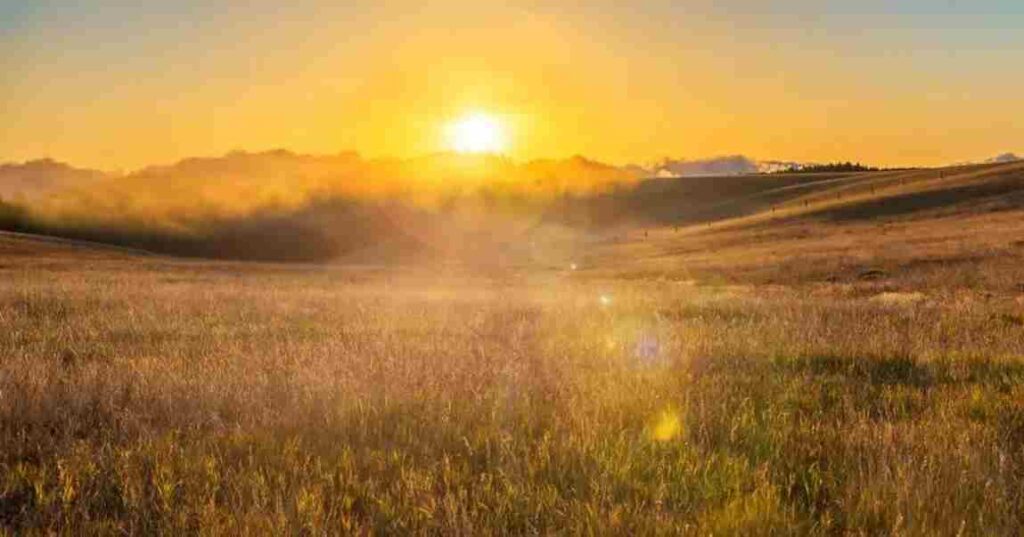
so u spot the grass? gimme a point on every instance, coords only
(696, 381)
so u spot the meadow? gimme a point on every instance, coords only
(812, 365)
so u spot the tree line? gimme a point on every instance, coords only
(831, 167)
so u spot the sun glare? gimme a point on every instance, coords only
(476, 133)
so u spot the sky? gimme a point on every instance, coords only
(119, 85)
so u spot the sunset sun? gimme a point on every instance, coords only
(477, 133)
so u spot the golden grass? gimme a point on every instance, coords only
(148, 396)
(771, 375)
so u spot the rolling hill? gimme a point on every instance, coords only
(670, 223)
(944, 225)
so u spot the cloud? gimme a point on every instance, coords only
(724, 165)
(1005, 157)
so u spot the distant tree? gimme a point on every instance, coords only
(833, 167)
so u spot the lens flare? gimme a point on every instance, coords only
(667, 426)
(647, 349)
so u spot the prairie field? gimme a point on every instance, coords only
(841, 357)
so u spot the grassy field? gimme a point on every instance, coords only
(843, 358)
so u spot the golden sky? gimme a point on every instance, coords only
(908, 82)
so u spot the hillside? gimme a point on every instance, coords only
(944, 225)
(689, 200)
(664, 225)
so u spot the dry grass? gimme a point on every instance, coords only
(784, 388)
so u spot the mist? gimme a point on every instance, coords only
(282, 206)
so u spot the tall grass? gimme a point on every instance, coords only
(164, 397)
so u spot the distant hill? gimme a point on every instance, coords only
(30, 180)
(951, 227)
(279, 205)
(681, 201)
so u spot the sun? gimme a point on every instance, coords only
(477, 133)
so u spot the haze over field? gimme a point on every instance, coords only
(512, 268)
(464, 207)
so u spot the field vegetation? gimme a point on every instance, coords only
(826, 354)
